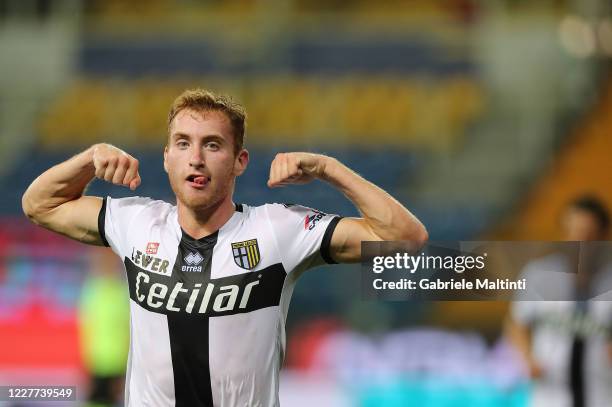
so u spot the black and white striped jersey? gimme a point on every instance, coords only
(208, 315)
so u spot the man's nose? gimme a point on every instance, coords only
(197, 159)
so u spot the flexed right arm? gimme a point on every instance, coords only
(55, 199)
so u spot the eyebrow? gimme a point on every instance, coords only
(208, 137)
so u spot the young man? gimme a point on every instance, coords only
(566, 341)
(209, 280)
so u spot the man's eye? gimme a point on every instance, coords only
(182, 144)
(212, 146)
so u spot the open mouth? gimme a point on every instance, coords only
(197, 181)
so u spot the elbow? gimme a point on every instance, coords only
(407, 229)
(30, 209)
(411, 229)
(416, 234)
(420, 236)
(27, 207)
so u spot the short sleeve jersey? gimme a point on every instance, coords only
(208, 315)
(555, 324)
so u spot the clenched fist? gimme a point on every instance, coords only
(296, 168)
(116, 166)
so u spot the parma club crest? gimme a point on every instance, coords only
(246, 254)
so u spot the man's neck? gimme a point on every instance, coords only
(200, 223)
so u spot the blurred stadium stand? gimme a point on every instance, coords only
(583, 166)
(294, 111)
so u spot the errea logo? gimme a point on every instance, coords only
(193, 260)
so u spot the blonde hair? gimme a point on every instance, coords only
(202, 100)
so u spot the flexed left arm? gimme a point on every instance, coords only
(383, 217)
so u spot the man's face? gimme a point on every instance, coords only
(200, 159)
(581, 225)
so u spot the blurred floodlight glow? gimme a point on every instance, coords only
(604, 33)
(577, 36)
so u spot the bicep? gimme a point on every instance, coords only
(345, 246)
(77, 219)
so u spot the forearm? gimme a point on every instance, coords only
(59, 184)
(520, 337)
(386, 218)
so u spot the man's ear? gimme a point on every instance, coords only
(165, 158)
(241, 162)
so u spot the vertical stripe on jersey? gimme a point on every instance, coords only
(576, 374)
(189, 336)
(189, 350)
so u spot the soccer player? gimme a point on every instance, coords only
(210, 280)
(567, 345)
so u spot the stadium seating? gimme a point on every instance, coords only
(582, 166)
(354, 110)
